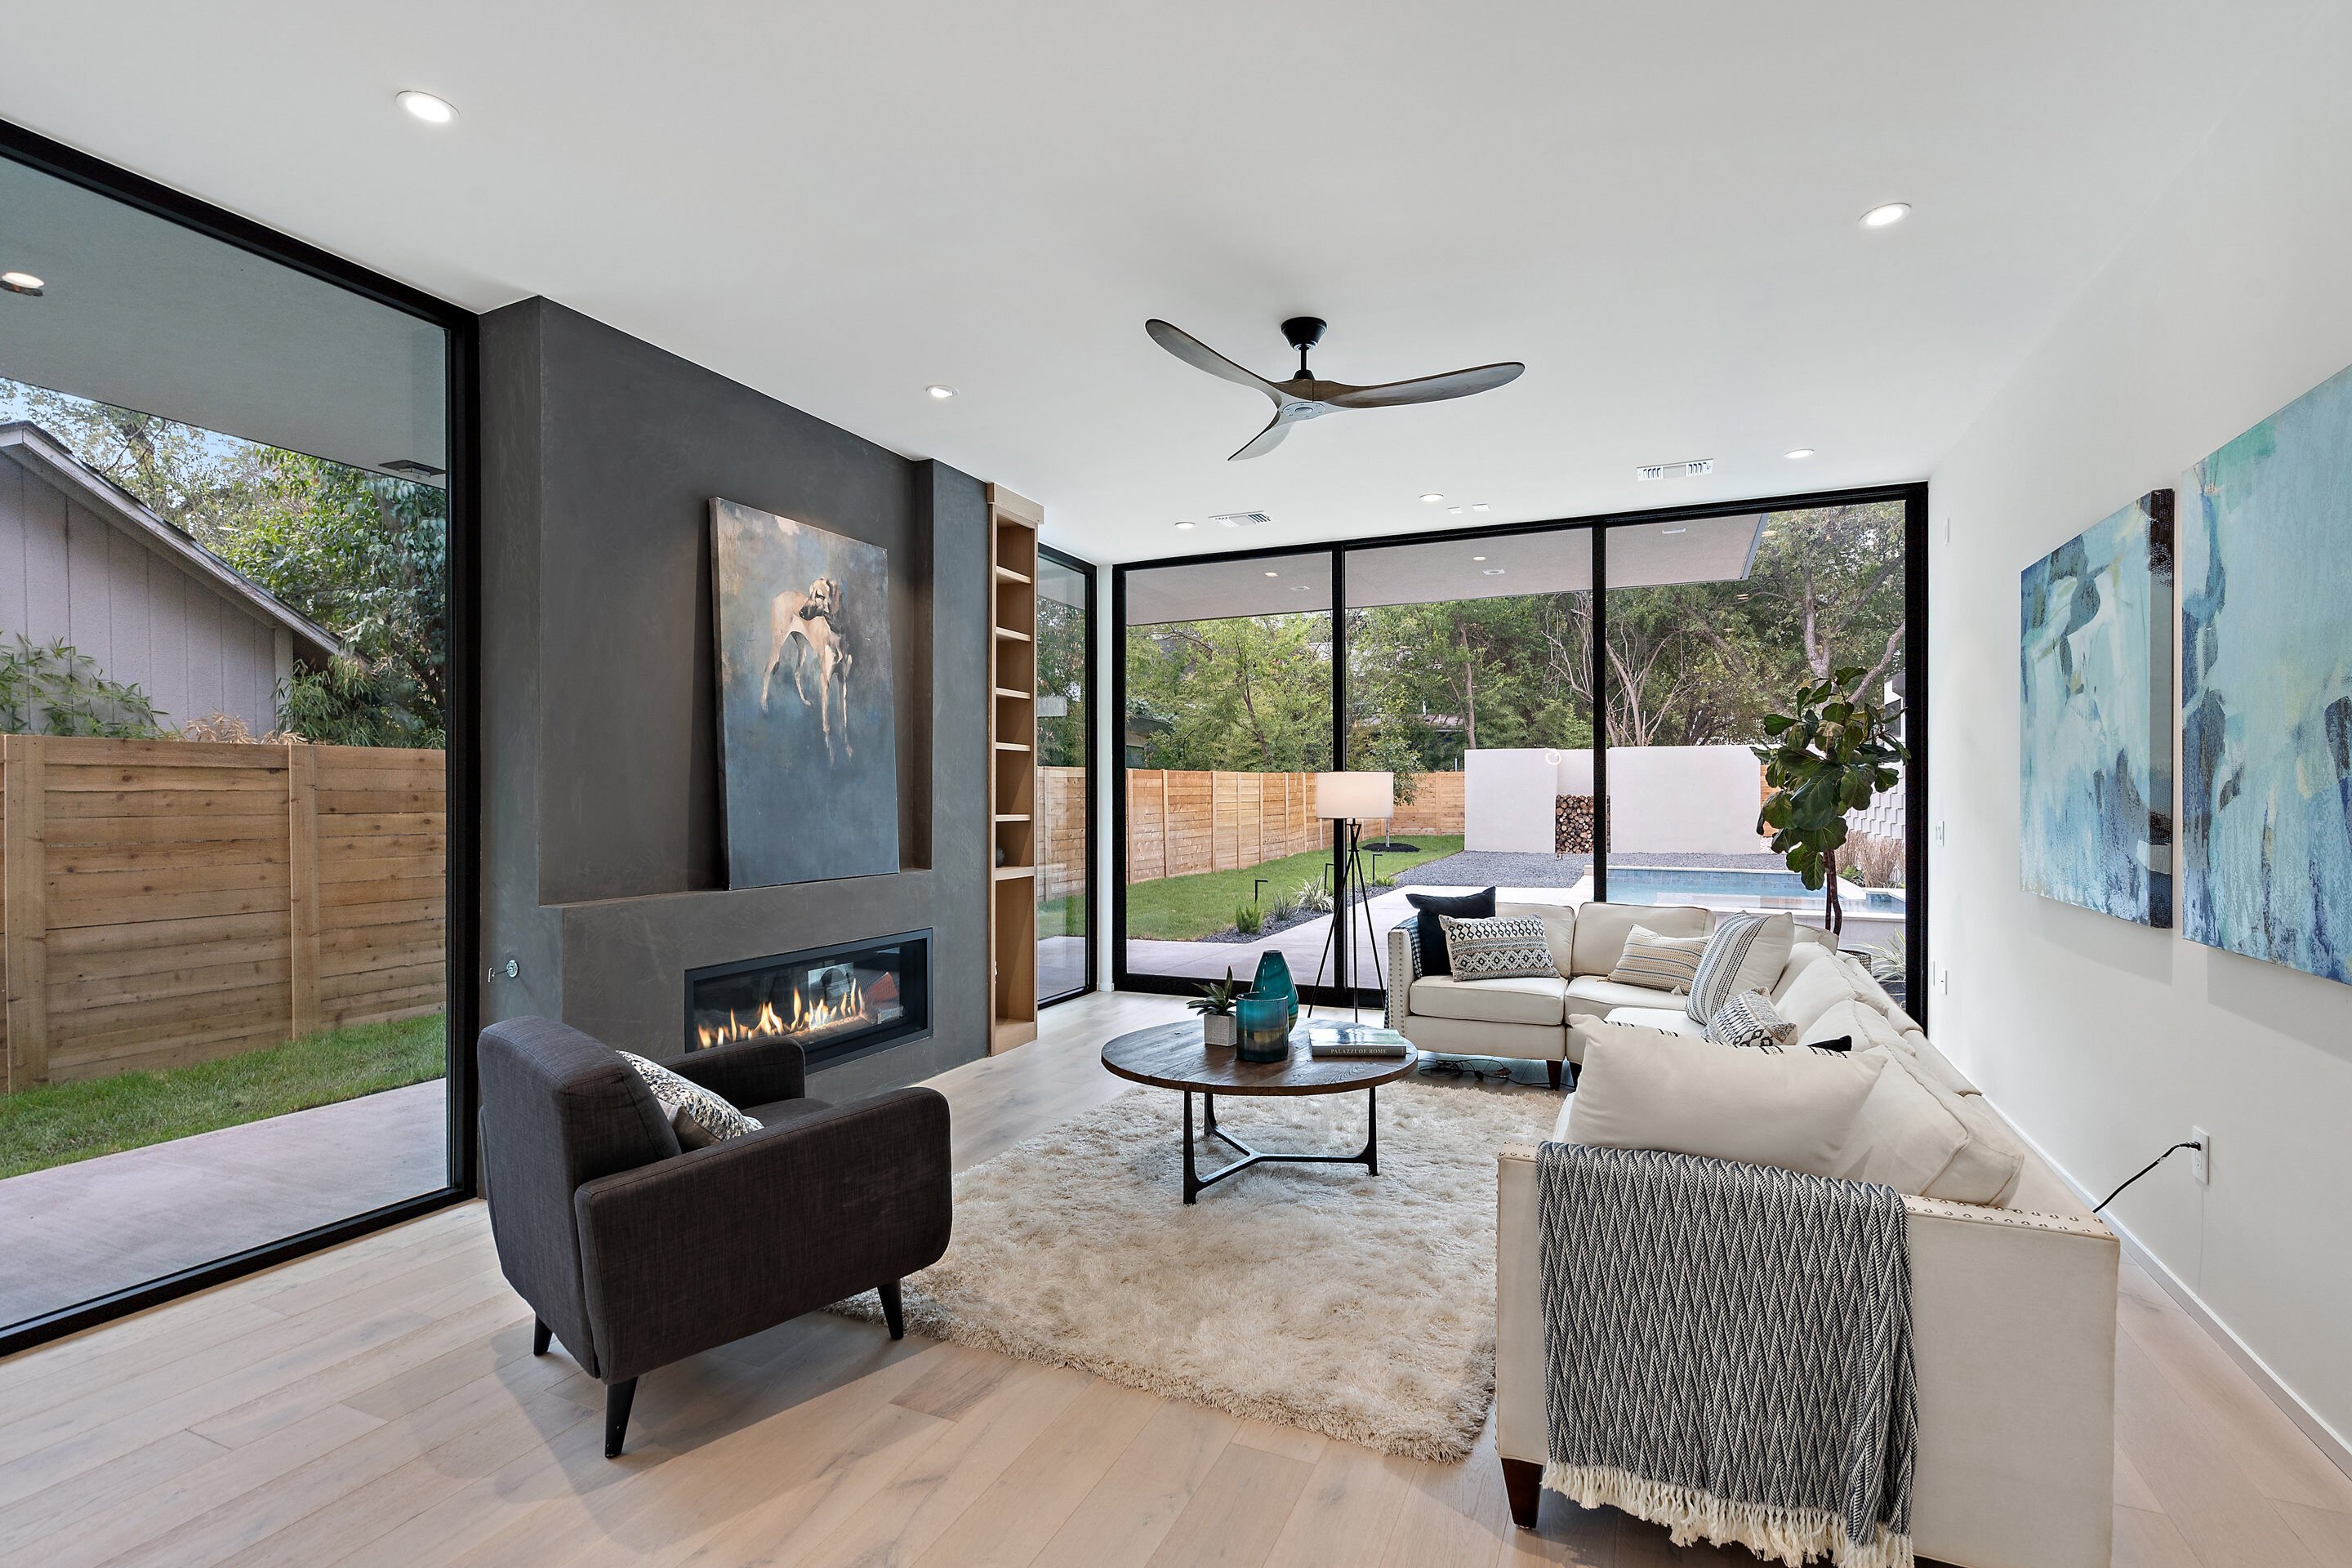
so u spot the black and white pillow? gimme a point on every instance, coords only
(1428, 940)
(1504, 949)
(1746, 952)
(700, 1116)
(1748, 1019)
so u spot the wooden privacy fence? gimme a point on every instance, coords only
(172, 902)
(1062, 829)
(1181, 823)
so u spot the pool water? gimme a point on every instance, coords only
(1761, 889)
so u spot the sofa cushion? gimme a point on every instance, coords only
(1853, 1019)
(1903, 1137)
(1597, 993)
(1581, 1031)
(1529, 999)
(1497, 949)
(1933, 1064)
(1658, 962)
(1985, 1169)
(1745, 952)
(1602, 929)
(1429, 937)
(1667, 1020)
(1802, 955)
(1747, 1019)
(1792, 1109)
(1481, 1037)
(1817, 988)
(1560, 929)
(1866, 984)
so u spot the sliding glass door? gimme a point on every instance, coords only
(1471, 665)
(1065, 852)
(229, 689)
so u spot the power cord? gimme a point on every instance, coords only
(2143, 1170)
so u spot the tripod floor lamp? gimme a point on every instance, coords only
(1348, 800)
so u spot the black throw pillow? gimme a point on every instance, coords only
(1430, 937)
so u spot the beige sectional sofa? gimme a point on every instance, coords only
(2013, 1294)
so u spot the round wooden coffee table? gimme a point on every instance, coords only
(1172, 1056)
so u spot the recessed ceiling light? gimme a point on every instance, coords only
(22, 283)
(427, 107)
(1303, 588)
(1801, 454)
(941, 390)
(1477, 506)
(1433, 496)
(1674, 530)
(1184, 525)
(1454, 511)
(1274, 574)
(1477, 558)
(1493, 572)
(1889, 213)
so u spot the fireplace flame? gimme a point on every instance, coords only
(767, 1023)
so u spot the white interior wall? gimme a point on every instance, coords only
(2105, 1041)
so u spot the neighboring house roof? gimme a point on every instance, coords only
(38, 450)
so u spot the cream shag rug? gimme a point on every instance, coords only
(1320, 1296)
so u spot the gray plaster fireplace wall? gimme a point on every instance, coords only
(603, 875)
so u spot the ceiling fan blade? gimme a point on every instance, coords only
(1266, 440)
(1201, 356)
(1427, 389)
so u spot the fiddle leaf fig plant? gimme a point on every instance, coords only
(1831, 754)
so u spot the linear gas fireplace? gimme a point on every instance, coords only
(838, 1002)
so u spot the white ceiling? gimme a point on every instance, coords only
(1654, 206)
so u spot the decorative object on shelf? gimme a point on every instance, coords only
(1215, 1005)
(1831, 753)
(808, 746)
(1265, 1029)
(1349, 800)
(2266, 691)
(1274, 980)
(2094, 669)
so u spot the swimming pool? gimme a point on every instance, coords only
(1757, 889)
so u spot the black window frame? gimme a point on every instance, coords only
(462, 714)
(1091, 573)
(1914, 498)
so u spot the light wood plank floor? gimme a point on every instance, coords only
(378, 1405)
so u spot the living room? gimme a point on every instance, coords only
(1275, 787)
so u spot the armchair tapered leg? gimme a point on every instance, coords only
(894, 1311)
(1552, 1070)
(1523, 1485)
(618, 1397)
(539, 1334)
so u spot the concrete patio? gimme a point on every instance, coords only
(74, 1232)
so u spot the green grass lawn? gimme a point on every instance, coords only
(1065, 916)
(1186, 909)
(57, 1124)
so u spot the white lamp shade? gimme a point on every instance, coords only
(1358, 797)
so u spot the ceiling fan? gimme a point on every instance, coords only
(1303, 397)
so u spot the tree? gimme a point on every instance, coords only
(1830, 756)
(1252, 693)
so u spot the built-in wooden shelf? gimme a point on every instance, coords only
(1013, 524)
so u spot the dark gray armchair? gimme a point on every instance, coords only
(635, 1254)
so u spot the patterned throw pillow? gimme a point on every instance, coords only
(1658, 962)
(700, 1116)
(1746, 952)
(1747, 1019)
(1497, 949)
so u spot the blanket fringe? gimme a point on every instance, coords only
(1793, 1536)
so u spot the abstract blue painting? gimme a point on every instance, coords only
(808, 748)
(2094, 677)
(2266, 691)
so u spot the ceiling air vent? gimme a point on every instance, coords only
(1676, 470)
(1240, 519)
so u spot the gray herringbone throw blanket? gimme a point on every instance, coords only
(1727, 1351)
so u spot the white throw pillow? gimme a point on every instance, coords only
(1792, 1109)
(1802, 955)
(1659, 963)
(1814, 992)
(700, 1116)
(1903, 1137)
(1855, 1020)
(1987, 1167)
(1746, 952)
(1560, 929)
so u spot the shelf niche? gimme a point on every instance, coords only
(1013, 522)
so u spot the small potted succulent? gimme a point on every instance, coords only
(1215, 1005)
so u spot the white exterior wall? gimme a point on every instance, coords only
(1507, 799)
(65, 571)
(2102, 1040)
(1687, 800)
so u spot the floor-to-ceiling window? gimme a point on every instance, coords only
(1471, 665)
(228, 687)
(1065, 652)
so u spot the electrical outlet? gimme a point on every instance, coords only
(2201, 1159)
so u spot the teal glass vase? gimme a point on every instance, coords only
(1263, 1025)
(1274, 980)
